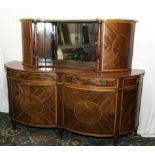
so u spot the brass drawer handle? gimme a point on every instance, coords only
(123, 109)
(42, 77)
(74, 79)
(103, 82)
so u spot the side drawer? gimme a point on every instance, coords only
(86, 81)
(14, 74)
(132, 81)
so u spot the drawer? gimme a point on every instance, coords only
(86, 81)
(132, 81)
(30, 76)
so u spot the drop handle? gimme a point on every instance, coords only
(103, 82)
(74, 79)
(42, 77)
(124, 109)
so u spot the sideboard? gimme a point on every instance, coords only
(87, 87)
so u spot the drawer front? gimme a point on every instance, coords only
(86, 81)
(30, 76)
(132, 81)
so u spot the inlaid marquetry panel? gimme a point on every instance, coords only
(33, 104)
(117, 48)
(89, 111)
(129, 109)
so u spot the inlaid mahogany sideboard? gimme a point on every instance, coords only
(76, 75)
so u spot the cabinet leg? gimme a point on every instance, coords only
(14, 127)
(134, 133)
(115, 140)
(60, 133)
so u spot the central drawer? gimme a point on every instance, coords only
(87, 81)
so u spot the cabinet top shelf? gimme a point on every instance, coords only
(78, 20)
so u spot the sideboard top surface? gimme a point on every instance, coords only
(78, 20)
(17, 65)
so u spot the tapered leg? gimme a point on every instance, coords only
(14, 127)
(134, 133)
(60, 133)
(115, 140)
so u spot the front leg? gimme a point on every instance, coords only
(60, 133)
(14, 126)
(115, 140)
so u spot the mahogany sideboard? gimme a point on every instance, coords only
(91, 95)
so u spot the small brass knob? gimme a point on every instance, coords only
(74, 79)
(42, 77)
(103, 82)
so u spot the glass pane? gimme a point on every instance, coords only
(77, 41)
(46, 43)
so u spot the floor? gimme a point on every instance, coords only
(28, 136)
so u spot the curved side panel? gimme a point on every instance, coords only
(117, 46)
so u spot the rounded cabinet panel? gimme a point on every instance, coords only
(33, 102)
(91, 112)
(117, 47)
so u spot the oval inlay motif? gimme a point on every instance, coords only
(87, 112)
(30, 104)
(120, 45)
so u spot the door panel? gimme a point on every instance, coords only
(33, 103)
(129, 110)
(89, 111)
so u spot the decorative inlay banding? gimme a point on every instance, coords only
(87, 111)
(30, 104)
(120, 45)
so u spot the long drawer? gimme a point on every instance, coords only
(14, 74)
(87, 81)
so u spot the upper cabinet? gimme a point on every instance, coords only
(102, 45)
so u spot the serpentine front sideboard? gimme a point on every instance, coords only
(86, 86)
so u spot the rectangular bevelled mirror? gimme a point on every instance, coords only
(77, 41)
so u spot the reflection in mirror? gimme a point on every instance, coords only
(77, 41)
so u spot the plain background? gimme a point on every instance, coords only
(142, 10)
(144, 45)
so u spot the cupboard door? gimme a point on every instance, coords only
(91, 112)
(33, 103)
(129, 110)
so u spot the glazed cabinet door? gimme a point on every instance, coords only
(33, 103)
(89, 111)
